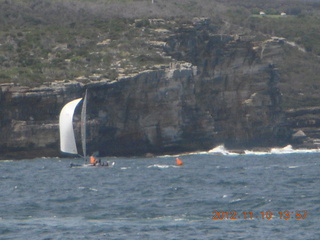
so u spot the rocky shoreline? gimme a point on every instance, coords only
(217, 89)
(218, 150)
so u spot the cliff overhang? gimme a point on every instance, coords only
(217, 89)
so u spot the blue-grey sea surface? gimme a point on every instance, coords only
(271, 196)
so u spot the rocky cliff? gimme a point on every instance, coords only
(217, 89)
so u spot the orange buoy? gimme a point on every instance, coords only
(179, 161)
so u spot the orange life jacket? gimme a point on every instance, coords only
(92, 159)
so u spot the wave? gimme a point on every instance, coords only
(293, 166)
(221, 150)
(124, 168)
(161, 166)
(178, 218)
(285, 150)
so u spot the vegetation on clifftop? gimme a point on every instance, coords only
(44, 40)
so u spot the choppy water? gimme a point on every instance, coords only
(152, 198)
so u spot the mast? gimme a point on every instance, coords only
(84, 125)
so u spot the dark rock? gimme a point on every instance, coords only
(220, 91)
(299, 134)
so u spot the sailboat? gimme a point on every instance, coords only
(67, 137)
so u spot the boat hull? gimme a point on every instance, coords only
(86, 165)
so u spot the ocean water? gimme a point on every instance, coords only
(213, 195)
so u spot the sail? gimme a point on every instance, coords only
(84, 125)
(67, 139)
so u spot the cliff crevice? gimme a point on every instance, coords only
(217, 89)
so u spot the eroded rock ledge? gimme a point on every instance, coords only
(218, 89)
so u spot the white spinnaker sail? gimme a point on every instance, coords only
(84, 125)
(67, 139)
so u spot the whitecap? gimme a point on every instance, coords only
(221, 150)
(285, 150)
(124, 168)
(248, 152)
(160, 166)
(218, 150)
(293, 166)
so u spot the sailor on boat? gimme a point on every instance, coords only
(105, 164)
(92, 159)
(98, 162)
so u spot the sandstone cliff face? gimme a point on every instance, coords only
(236, 85)
(217, 90)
